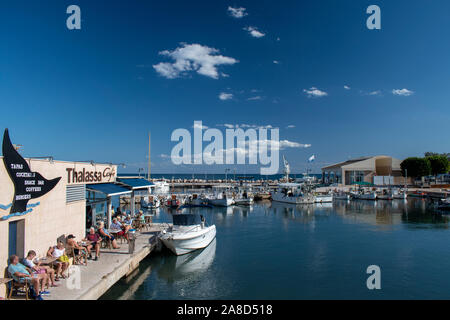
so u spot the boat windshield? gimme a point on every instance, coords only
(186, 219)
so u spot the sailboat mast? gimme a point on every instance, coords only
(149, 160)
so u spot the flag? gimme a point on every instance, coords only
(312, 158)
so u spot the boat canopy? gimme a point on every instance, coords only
(186, 219)
(290, 185)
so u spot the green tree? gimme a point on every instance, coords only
(417, 167)
(439, 164)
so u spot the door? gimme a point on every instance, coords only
(16, 238)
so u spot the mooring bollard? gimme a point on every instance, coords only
(131, 240)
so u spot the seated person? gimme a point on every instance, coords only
(77, 249)
(141, 216)
(35, 266)
(127, 223)
(105, 234)
(62, 264)
(95, 240)
(20, 274)
(118, 228)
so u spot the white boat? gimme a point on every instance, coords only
(161, 187)
(150, 203)
(365, 196)
(400, 194)
(341, 196)
(194, 200)
(385, 194)
(221, 200)
(174, 201)
(323, 198)
(244, 199)
(292, 193)
(189, 233)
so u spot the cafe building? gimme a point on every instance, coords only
(376, 170)
(42, 200)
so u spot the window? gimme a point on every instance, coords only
(356, 176)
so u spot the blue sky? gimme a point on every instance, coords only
(94, 93)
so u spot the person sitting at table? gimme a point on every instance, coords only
(21, 274)
(30, 262)
(62, 264)
(117, 227)
(77, 249)
(105, 234)
(127, 223)
(95, 240)
(141, 216)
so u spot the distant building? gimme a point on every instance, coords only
(377, 170)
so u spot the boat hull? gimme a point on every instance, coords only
(366, 197)
(226, 202)
(293, 200)
(323, 199)
(190, 241)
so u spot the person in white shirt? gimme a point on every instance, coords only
(31, 262)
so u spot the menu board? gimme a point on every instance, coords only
(27, 184)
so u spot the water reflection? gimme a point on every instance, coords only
(191, 265)
(317, 242)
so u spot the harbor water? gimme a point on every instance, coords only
(280, 251)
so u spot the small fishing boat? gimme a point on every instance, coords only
(385, 194)
(399, 194)
(221, 200)
(244, 198)
(173, 202)
(150, 203)
(292, 193)
(195, 200)
(364, 195)
(188, 233)
(323, 198)
(341, 196)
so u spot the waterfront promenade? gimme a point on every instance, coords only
(93, 280)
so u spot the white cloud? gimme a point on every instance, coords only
(192, 57)
(237, 12)
(290, 126)
(245, 126)
(314, 92)
(255, 98)
(375, 93)
(199, 126)
(276, 62)
(254, 32)
(347, 88)
(225, 96)
(402, 92)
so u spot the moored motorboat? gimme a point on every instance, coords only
(341, 196)
(221, 200)
(195, 200)
(244, 199)
(364, 195)
(150, 203)
(292, 193)
(385, 194)
(323, 198)
(188, 233)
(173, 202)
